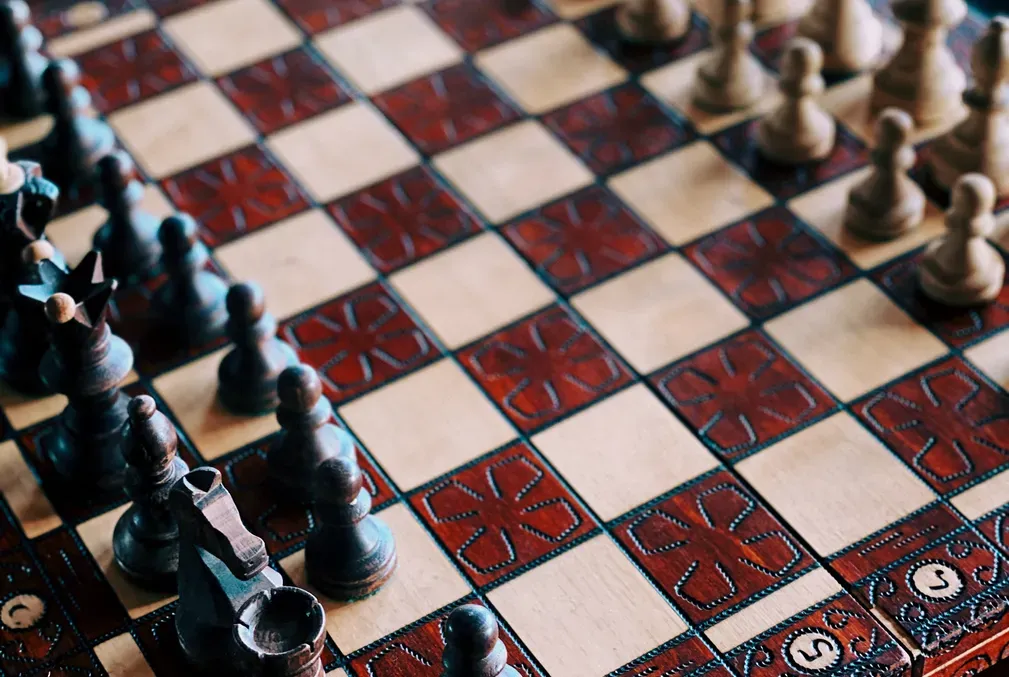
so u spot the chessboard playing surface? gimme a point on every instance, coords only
(610, 374)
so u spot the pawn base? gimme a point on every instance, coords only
(716, 96)
(151, 564)
(138, 257)
(244, 397)
(935, 111)
(950, 157)
(344, 582)
(949, 290)
(199, 323)
(786, 148)
(671, 25)
(861, 220)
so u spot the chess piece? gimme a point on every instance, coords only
(280, 632)
(27, 203)
(309, 435)
(473, 647)
(353, 553)
(22, 87)
(129, 239)
(145, 542)
(798, 130)
(191, 303)
(981, 142)
(887, 203)
(777, 11)
(77, 141)
(731, 79)
(848, 31)
(963, 268)
(221, 566)
(922, 78)
(247, 377)
(86, 362)
(653, 21)
(24, 337)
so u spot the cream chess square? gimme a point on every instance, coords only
(689, 192)
(639, 450)
(426, 424)
(191, 393)
(659, 312)
(299, 262)
(222, 36)
(343, 150)
(854, 339)
(121, 657)
(23, 494)
(472, 289)
(549, 68)
(835, 483)
(424, 582)
(180, 129)
(388, 48)
(513, 170)
(587, 611)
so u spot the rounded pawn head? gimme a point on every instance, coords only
(115, 171)
(245, 302)
(141, 408)
(60, 77)
(973, 199)
(299, 388)
(800, 66)
(338, 480)
(38, 251)
(472, 631)
(990, 56)
(60, 308)
(178, 234)
(893, 129)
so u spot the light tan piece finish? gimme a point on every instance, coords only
(798, 130)
(963, 268)
(732, 78)
(653, 21)
(887, 203)
(923, 78)
(848, 31)
(769, 12)
(981, 142)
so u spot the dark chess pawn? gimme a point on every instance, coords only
(352, 554)
(129, 239)
(221, 566)
(309, 436)
(24, 337)
(21, 89)
(86, 362)
(191, 302)
(27, 203)
(280, 632)
(77, 141)
(473, 647)
(146, 538)
(247, 377)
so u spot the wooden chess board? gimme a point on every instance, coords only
(610, 374)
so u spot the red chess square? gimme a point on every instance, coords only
(769, 263)
(283, 90)
(417, 653)
(678, 657)
(447, 108)
(235, 194)
(583, 239)
(478, 25)
(617, 129)
(941, 583)
(544, 367)
(315, 16)
(711, 546)
(996, 527)
(832, 638)
(133, 69)
(501, 514)
(282, 524)
(945, 421)
(403, 219)
(359, 341)
(47, 635)
(959, 327)
(786, 181)
(53, 18)
(742, 395)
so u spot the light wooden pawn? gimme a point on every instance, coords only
(653, 21)
(798, 130)
(887, 203)
(981, 142)
(923, 77)
(12, 175)
(963, 269)
(777, 11)
(848, 31)
(732, 78)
